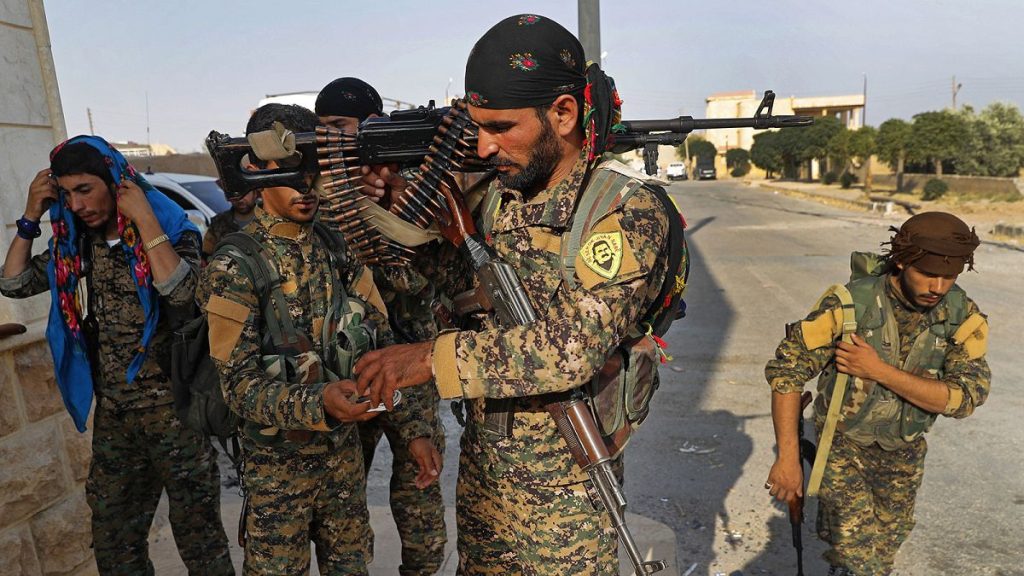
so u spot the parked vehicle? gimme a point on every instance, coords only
(200, 196)
(706, 171)
(677, 171)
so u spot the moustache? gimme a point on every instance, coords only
(304, 199)
(498, 162)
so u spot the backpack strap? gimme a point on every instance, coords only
(605, 192)
(255, 264)
(838, 391)
(608, 189)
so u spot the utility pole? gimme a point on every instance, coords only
(149, 143)
(88, 112)
(590, 28)
(956, 88)
(864, 110)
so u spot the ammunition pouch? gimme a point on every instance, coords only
(621, 391)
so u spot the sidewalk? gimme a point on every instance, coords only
(999, 222)
(654, 538)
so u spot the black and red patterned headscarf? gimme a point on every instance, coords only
(529, 60)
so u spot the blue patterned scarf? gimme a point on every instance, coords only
(64, 329)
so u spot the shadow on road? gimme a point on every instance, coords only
(700, 452)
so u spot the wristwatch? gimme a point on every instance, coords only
(28, 229)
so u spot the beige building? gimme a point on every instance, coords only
(849, 109)
(135, 150)
(44, 519)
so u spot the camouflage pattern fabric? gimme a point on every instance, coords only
(508, 528)
(869, 492)
(115, 303)
(220, 226)
(866, 506)
(139, 446)
(135, 456)
(576, 331)
(295, 498)
(418, 514)
(280, 404)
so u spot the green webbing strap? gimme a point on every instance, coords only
(838, 390)
(606, 187)
(335, 245)
(249, 254)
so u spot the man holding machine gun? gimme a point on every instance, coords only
(284, 351)
(524, 504)
(418, 513)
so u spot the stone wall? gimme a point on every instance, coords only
(44, 519)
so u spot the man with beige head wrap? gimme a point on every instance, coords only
(911, 346)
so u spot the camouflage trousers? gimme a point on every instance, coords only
(296, 497)
(507, 527)
(136, 455)
(418, 514)
(866, 504)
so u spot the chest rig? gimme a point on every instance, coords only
(871, 413)
(287, 354)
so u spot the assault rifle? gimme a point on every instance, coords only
(406, 137)
(796, 505)
(649, 134)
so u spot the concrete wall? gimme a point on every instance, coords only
(44, 519)
(966, 187)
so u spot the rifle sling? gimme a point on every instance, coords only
(838, 392)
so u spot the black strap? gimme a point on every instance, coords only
(658, 315)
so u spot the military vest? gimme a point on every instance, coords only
(871, 413)
(290, 356)
(621, 391)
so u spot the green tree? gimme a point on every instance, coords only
(995, 141)
(813, 143)
(862, 146)
(892, 142)
(936, 137)
(766, 152)
(700, 149)
(735, 157)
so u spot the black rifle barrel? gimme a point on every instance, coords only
(687, 124)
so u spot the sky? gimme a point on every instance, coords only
(204, 65)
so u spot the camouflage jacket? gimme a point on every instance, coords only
(115, 302)
(576, 331)
(810, 346)
(230, 300)
(221, 225)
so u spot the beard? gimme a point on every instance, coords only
(544, 158)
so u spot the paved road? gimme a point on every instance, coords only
(698, 465)
(761, 260)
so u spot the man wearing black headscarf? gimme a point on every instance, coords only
(524, 505)
(418, 513)
(910, 347)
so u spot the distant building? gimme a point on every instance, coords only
(848, 109)
(135, 150)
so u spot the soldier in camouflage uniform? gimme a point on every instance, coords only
(137, 273)
(918, 352)
(303, 467)
(523, 505)
(232, 220)
(418, 513)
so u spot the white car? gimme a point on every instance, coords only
(676, 171)
(199, 195)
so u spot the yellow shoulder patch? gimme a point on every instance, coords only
(605, 255)
(225, 318)
(365, 288)
(822, 330)
(973, 336)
